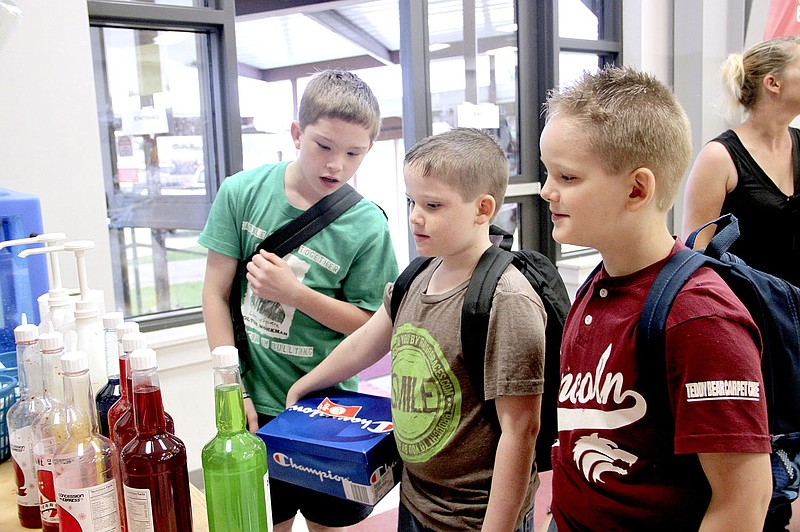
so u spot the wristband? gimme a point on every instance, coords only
(245, 395)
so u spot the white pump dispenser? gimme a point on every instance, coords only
(55, 306)
(88, 323)
(88, 320)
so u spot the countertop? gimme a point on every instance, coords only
(8, 503)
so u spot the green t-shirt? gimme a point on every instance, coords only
(351, 260)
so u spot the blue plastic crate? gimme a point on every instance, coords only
(8, 387)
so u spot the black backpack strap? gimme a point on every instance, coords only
(476, 309)
(504, 239)
(403, 282)
(309, 223)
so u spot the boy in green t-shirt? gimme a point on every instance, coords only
(297, 308)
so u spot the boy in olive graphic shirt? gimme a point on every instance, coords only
(468, 462)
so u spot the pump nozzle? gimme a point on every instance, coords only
(57, 296)
(86, 307)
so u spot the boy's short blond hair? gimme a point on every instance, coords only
(630, 120)
(341, 95)
(466, 159)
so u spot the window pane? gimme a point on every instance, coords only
(160, 172)
(186, 263)
(572, 64)
(576, 20)
(474, 74)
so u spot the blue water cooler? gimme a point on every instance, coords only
(22, 280)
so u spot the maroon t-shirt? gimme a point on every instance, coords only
(626, 457)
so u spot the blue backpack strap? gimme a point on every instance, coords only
(669, 281)
(726, 235)
(403, 282)
(476, 309)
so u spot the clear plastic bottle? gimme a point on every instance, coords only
(87, 475)
(124, 423)
(235, 460)
(135, 341)
(155, 475)
(50, 427)
(111, 392)
(20, 418)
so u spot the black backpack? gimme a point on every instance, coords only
(775, 307)
(546, 281)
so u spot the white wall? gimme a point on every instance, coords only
(50, 147)
(49, 138)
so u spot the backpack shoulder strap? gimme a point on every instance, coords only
(310, 222)
(476, 309)
(668, 282)
(403, 282)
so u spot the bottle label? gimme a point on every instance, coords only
(139, 509)
(24, 469)
(43, 456)
(94, 509)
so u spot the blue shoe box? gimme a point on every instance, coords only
(348, 452)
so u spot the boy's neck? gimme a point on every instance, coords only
(298, 195)
(637, 250)
(457, 268)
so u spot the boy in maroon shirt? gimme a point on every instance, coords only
(632, 454)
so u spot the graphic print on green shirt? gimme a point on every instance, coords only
(426, 395)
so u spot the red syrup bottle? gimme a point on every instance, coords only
(155, 476)
(135, 340)
(124, 427)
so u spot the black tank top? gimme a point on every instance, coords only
(769, 220)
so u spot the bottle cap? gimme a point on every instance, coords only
(143, 359)
(112, 319)
(125, 328)
(25, 332)
(133, 341)
(51, 341)
(224, 356)
(75, 362)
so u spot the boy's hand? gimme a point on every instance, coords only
(271, 278)
(292, 396)
(251, 415)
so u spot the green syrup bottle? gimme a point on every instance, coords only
(235, 460)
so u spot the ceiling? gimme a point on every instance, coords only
(288, 39)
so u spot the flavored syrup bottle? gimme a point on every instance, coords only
(155, 476)
(235, 460)
(87, 475)
(125, 425)
(111, 392)
(124, 402)
(20, 418)
(50, 427)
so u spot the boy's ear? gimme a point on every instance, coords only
(295, 130)
(643, 188)
(486, 209)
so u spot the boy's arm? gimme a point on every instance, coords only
(519, 424)
(220, 270)
(741, 487)
(270, 277)
(360, 350)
